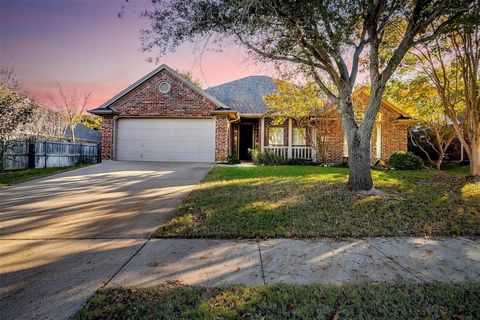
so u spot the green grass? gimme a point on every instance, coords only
(16, 176)
(308, 201)
(373, 301)
(461, 170)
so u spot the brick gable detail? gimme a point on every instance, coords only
(181, 101)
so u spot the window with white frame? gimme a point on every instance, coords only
(298, 136)
(275, 136)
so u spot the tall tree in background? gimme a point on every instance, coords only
(451, 64)
(41, 120)
(72, 106)
(189, 76)
(306, 105)
(9, 79)
(15, 110)
(92, 121)
(323, 39)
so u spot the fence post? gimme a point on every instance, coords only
(81, 153)
(99, 152)
(31, 152)
(45, 152)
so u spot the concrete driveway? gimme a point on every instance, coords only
(64, 236)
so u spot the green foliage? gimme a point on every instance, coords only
(268, 158)
(405, 161)
(92, 122)
(189, 76)
(299, 162)
(232, 160)
(15, 110)
(296, 101)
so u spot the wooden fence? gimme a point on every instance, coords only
(31, 153)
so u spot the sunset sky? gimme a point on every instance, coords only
(85, 45)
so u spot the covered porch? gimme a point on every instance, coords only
(285, 138)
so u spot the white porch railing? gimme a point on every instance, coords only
(280, 151)
(304, 153)
(297, 152)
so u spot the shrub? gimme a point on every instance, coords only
(268, 158)
(343, 164)
(299, 162)
(405, 161)
(232, 160)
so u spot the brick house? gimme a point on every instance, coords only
(165, 117)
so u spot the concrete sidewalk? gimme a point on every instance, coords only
(224, 262)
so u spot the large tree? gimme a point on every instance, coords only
(325, 39)
(451, 64)
(434, 132)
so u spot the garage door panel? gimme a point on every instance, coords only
(166, 140)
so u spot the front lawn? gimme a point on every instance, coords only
(461, 170)
(16, 176)
(308, 201)
(372, 301)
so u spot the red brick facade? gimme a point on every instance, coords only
(393, 136)
(147, 101)
(221, 137)
(107, 137)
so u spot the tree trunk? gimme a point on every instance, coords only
(2, 155)
(358, 140)
(72, 133)
(475, 159)
(360, 177)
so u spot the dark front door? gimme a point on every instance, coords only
(245, 141)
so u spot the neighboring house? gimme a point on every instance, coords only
(45, 123)
(84, 133)
(165, 117)
(49, 124)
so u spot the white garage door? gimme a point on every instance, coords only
(186, 140)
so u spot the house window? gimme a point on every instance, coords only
(164, 87)
(298, 136)
(275, 136)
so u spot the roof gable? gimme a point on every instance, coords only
(107, 109)
(365, 93)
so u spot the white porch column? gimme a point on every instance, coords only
(313, 137)
(378, 145)
(289, 154)
(262, 134)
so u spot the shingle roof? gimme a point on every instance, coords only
(245, 95)
(84, 133)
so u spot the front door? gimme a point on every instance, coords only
(245, 142)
